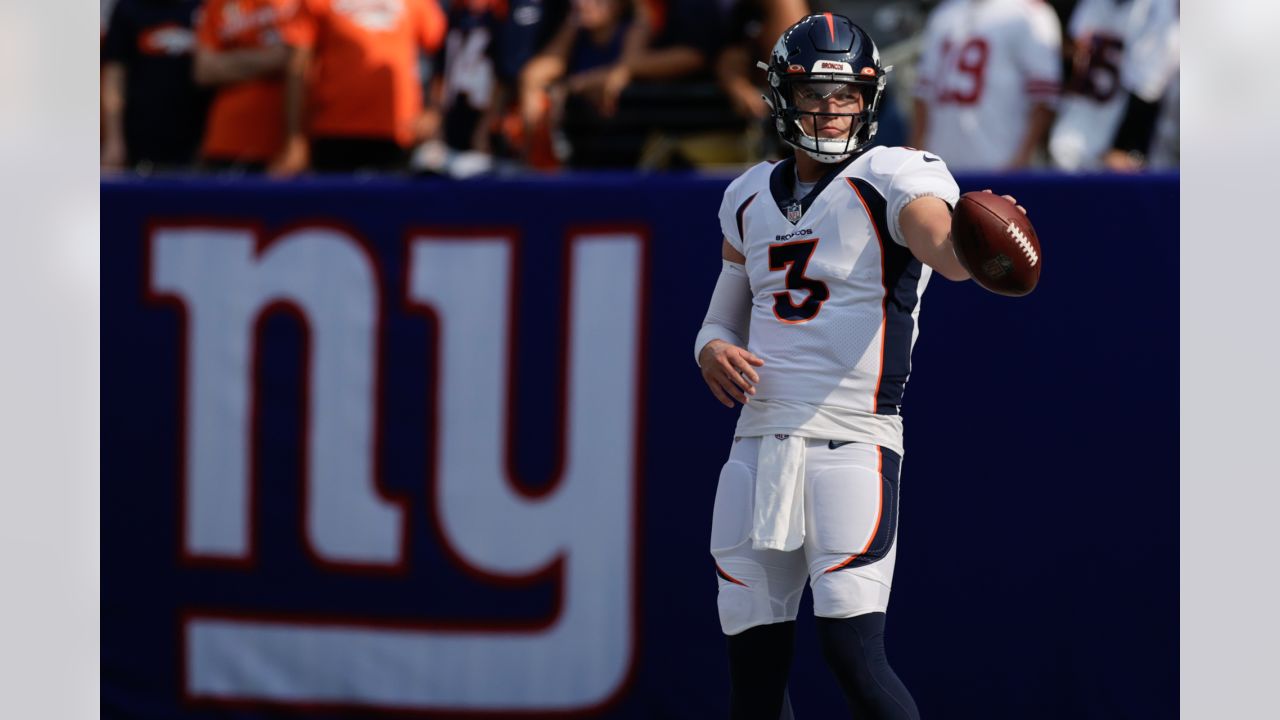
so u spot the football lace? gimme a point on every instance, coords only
(1027, 249)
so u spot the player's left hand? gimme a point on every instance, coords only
(1011, 199)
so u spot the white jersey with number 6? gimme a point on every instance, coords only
(1094, 99)
(835, 293)
(983, 64)
(1122, 47)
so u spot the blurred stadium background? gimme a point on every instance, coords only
(399, 413)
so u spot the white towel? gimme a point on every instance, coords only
(778, 522)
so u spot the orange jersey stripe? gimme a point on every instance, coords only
(720, 571)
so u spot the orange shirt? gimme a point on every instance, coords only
(365, 80)
(246, 119)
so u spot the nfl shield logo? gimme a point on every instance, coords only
(793, 213)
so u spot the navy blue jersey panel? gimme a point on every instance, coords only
(901, 282)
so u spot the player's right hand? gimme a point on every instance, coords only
(729, 371)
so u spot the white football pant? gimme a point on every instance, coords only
(850, 521)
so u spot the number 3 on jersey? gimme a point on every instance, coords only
(794, 258)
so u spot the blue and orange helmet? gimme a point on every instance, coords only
(824, 49)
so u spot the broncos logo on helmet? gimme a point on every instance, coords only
(830, 49)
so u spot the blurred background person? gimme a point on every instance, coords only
(617, 70)
(988, 78)
(591, 42)
(353, 84)
(467, 91)
(525, 30)
(1148, 133)
(528, 28)
(153, 113)
(104, 14)
(241, 53)
(468, 76)
(1120, 107)
(751, 27)
(338, 85)
(1092, 100)
(675, 108)
(745, 43)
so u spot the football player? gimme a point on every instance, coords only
(810, 328)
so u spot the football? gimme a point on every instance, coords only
(996, 244)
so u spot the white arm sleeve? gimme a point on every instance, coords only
(729, 315)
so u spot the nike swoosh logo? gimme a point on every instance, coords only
(929, 159)
(833, 445)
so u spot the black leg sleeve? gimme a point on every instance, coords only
(759, 662)
(854, 649)
(1138, 126)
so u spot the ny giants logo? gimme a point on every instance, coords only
(224, 279)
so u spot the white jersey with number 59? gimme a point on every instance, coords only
(983, 64)
(835, 292)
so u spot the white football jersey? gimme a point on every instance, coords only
(1093, 101)
(1123, 46)
(1151, 49)
(983, 64)
(835, 293)
(1150, 71)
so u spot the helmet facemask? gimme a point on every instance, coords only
(829, 117)
(825, 50)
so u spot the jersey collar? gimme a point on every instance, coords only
(782, 186)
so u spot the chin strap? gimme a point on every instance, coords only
(826, 158)
(819, 155)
